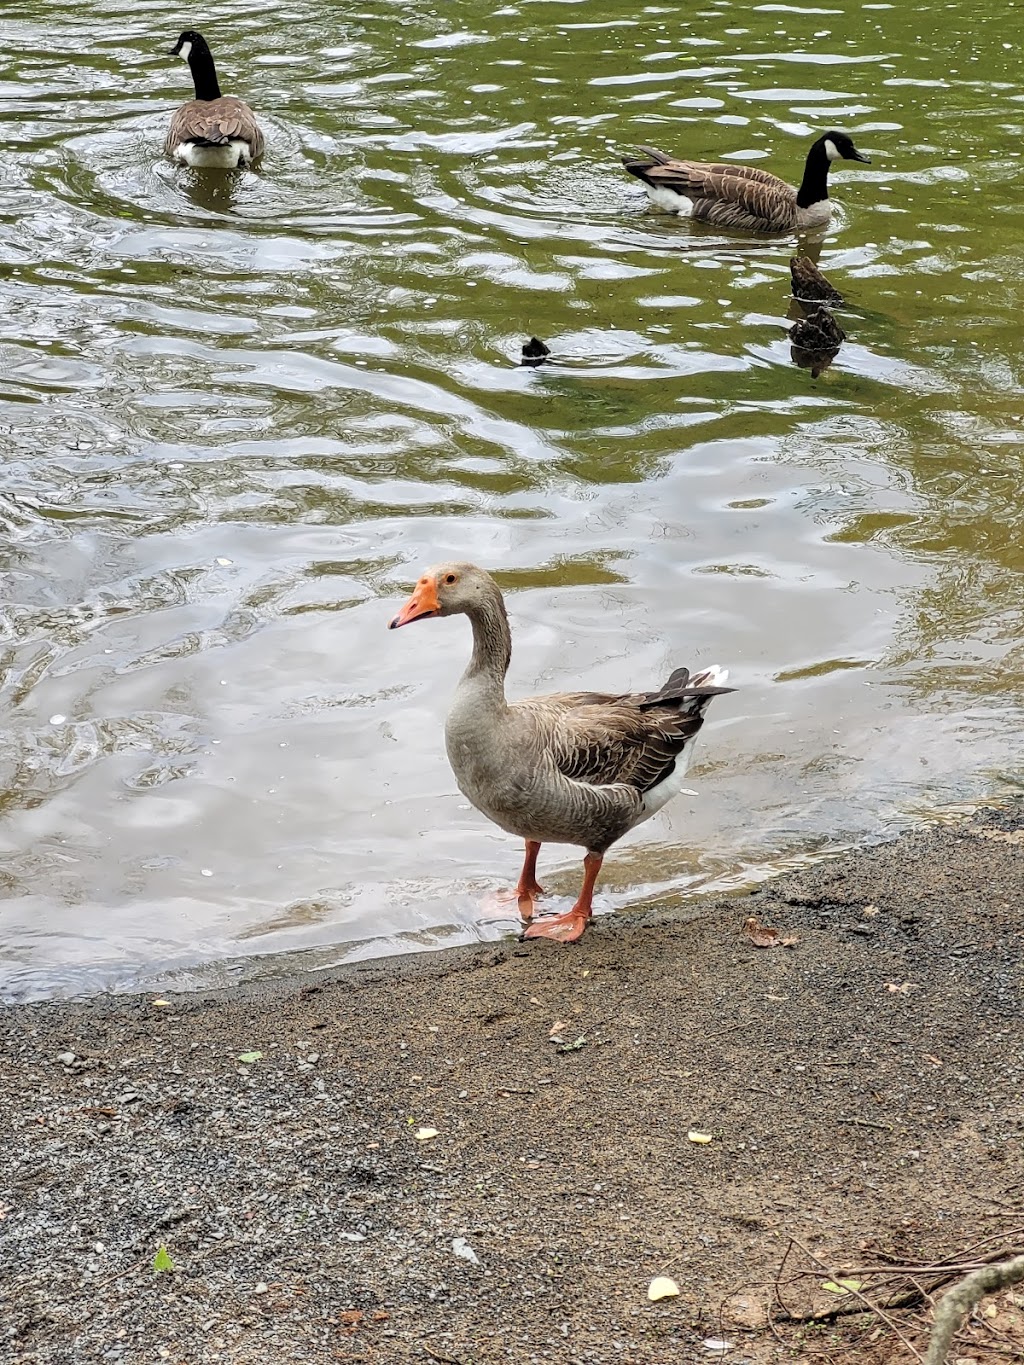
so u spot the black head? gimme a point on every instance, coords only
(189, 42)
(839, 147)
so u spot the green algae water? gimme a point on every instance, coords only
(238, 416)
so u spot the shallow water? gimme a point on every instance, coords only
(240, 414)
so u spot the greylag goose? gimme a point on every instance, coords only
(732, 196)
(568, 768)
(212, 131)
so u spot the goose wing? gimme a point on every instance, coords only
(602, 739)
(722, 193)
(216, 123)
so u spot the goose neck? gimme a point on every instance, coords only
(204, 73)
(814, 186)
(492, 646)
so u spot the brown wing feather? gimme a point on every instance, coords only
(217, 122)
(602, 739)
(724, 194)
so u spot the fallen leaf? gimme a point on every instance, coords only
(162, 1260)
(249, 1057)
(351, 1317)
(160, 1003)
(662, 1288)
(701, 1138)
(842, 1286)
(790, 941)
(425, 1134)
(759, 934)
(556, 1027)
(870, 911)
(716, 1344)
(904, 989)
(930, 1057)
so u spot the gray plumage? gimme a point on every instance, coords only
(213, 130)
(744, 197)
(569, 767)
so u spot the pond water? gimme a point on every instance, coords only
(240, 414)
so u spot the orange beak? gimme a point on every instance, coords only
(421, 604)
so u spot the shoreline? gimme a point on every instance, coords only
(483, 1153)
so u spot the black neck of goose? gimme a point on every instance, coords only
(204, 73)
(814, 186)
(492, 642)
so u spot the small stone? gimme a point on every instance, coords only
(261, 1288)
(66, 1058)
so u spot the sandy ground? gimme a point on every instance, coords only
(863, 1091)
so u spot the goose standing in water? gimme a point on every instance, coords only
(731, 196)
(212, 131)
(570, 767)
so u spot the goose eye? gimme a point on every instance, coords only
(449, 578)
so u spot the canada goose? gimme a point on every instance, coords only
(567, 768)
(213, 130)
(810, 285)
(743, 196)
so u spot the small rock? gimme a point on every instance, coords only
(66, 1058)
(261, 1288)
(463, 1250)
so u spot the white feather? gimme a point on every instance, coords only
(227, 157)
(664, 198)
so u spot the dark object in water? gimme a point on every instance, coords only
(818, 331)
(816, 340)
(535, 352)
(810, 285)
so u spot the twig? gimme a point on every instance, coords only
(871, 1307)
(867, 1123)
(959, 1302)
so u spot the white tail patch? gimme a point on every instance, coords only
(715, 676)
(664, 198)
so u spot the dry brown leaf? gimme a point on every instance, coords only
(559, 1026)
(904, 988)
(759, 934)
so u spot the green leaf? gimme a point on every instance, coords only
(162, 1260)
(842, 1286)
(249, 1057)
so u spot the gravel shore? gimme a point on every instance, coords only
(486, 1154)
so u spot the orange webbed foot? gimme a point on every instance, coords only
(567, 928)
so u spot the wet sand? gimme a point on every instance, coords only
(863, 1090)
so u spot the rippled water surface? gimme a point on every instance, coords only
(239, 414)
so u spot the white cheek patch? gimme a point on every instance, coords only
(832, 151)
(186, 49)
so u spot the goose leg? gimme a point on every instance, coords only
(529, 888)
(568, 928)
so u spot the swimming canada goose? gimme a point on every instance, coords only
(567, 768)
(810, 285)
(743, 196)
(213, 130)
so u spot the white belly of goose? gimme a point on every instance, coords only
(225, 158)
